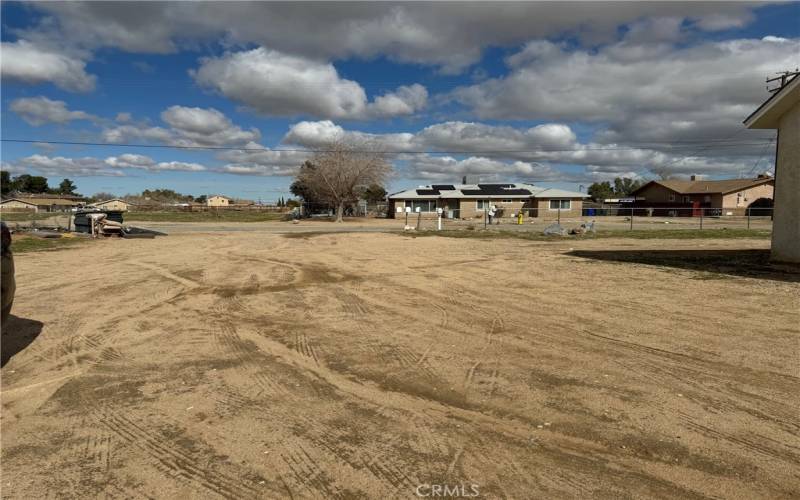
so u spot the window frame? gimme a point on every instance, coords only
(423, 204)
(560, 205)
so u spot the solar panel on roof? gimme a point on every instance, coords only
(427, 192)
(444, 187)
(495, 191)
(493, 186)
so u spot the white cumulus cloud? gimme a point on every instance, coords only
(277, 84)
(188, 126)
(40, 110)
(27, 62)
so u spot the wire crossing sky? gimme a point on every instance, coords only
(122, 97)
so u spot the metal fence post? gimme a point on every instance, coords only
(748, 218)
(631, 218)
(559, 212)
(485, 215)
(701, 218)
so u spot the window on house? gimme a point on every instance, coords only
(560, 204)
(507, 201)
(686, 199)
(424, 205)
(707, 198)
(672, 197)
(484, 204)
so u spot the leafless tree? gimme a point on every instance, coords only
(341, 169)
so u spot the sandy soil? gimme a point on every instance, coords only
(251, 364)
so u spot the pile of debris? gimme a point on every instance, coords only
(96, 223)
(557, 230)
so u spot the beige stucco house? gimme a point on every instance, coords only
(17, 205)
(114, 204)
(42, 203)
(782, 112)
(467, 201)
(218, 201)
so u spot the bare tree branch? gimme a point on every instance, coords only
(343, 168)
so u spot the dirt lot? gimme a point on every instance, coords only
(250, 364)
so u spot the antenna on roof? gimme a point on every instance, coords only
(784, 77)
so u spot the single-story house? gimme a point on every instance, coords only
(462, 201)
(114, 204)
(732, 196)
(782, 112)
(43, 203)
(18, 205)
(218, 201)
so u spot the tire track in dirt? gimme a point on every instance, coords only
(177, 461)
(707, 383)
(165, 273)
(401, 357)
(758, 443)
(304, 347)
(246, 354)
(96, 450)
(306, 471)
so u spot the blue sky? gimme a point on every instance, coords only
(557, 94)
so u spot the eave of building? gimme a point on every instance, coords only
(769, 113)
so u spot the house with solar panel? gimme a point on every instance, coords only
(468, 201)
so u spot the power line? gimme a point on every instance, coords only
(708, 145)
(763, 154)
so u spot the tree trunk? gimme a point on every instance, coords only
(339, 212)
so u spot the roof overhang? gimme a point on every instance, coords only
(769, 114)
(19, 201)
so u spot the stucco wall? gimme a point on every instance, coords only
(18, 206)
(114, 205)
(786, 224)
(748, 196)
(218, 201)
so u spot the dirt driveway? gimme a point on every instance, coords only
(257, 365)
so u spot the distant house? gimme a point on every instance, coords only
(42, 202)
(114, 204)
(18, 205)
(732, 196)
(782, 112)
(218, 201)
(473, 200)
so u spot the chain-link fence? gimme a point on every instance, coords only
(638, 218)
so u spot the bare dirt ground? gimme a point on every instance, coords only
(258, 365)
